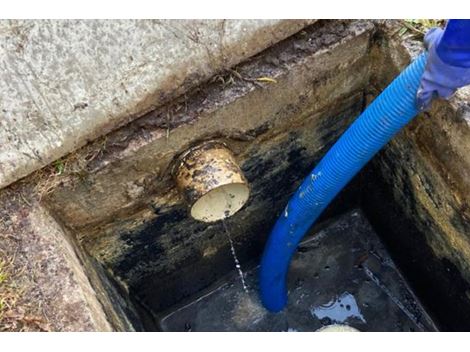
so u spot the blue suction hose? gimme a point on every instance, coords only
(387, 115)
(438, 72)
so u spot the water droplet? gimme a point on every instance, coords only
(315, 176)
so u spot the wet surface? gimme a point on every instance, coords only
(340, 274)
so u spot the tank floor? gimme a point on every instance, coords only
(341, 273)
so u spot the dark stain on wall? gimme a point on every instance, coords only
(438, 282)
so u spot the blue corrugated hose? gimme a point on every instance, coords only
(389, 112)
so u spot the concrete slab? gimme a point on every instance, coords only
(46, 287)
(66, 82)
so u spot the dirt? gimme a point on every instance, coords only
(19, 295)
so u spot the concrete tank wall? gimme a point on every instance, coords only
(115, 234)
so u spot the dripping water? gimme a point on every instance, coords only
(235, 258)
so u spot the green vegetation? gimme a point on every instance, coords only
(418, 27)
(59, 167)
(3, 274)
(4, 293)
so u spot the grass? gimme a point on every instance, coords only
(3, 274)
(418, 27)
(67, 169)
(18, 312)
(15, 313)
(3, 279)
(8, 296)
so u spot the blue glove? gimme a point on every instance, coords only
(448, 71)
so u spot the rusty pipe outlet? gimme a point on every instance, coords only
(211, 181)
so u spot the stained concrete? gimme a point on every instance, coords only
(130, 228)
(66, 82)
(130, 169)
(422, 181)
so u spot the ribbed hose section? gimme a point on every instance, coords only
(389, 112)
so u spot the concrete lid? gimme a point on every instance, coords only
(66, 82)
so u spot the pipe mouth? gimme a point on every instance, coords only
(211, 182)
(221, 202)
